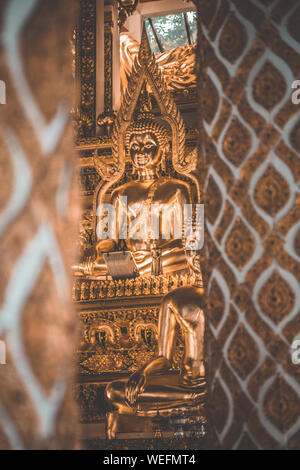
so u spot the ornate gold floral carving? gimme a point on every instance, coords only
(119, 339)
(86, 235)
(92, 290)
(126, 8)
(108, 45)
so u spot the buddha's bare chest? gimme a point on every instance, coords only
(154, 194)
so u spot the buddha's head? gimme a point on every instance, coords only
(193, 256)
(147, 142)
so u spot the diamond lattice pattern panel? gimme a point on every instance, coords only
(250, 58)
(37, 324)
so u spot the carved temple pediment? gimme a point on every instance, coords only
(146, 72)
(176, 65)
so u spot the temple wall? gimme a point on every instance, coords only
(37, 209)
(249, 58)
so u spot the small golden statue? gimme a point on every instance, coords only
(155, 387)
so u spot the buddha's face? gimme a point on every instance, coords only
(144, 150)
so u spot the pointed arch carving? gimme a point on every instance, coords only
(145, 70)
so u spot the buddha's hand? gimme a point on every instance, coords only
(135, 386)
(105, 246)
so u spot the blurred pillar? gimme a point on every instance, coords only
(37, 210)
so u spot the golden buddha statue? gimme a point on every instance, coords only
(147, 144)
(155, 387)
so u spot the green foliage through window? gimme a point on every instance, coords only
(171, 31)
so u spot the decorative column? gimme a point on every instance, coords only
(249, 54)
(86, 68)
(108, 61)
(37, 209)
(111, 61)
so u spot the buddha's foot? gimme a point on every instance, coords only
(112, 424)
(197, 396)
